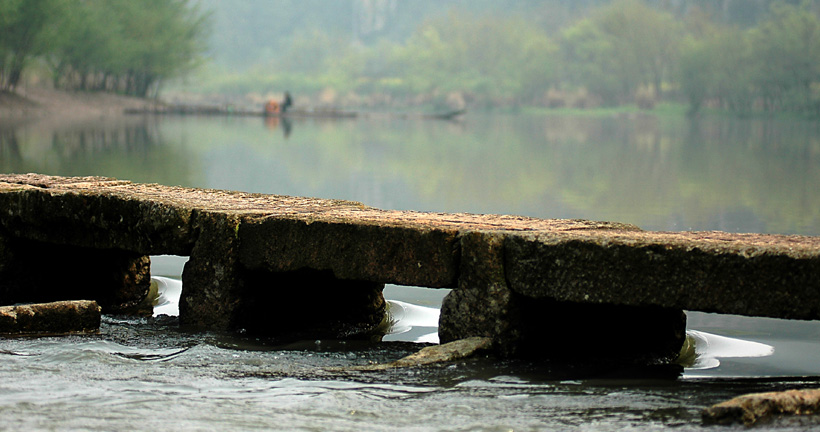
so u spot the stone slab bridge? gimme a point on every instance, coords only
(304, 267)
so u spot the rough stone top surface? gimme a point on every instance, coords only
(569, 260)
(252, 206)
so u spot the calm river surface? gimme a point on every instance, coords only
(671, 174)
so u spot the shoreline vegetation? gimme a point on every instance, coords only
(621, 55)
(618, 55)
(46, 104)
(609, 54)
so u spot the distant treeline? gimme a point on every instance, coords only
(118, 46)
(620, 52)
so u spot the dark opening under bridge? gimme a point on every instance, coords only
(282, 265)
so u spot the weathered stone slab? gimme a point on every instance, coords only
(523, 325)
(55, 317)
(353, 249)
(752, 408)
(506, 269)
(746, 274)
(96, 213)
(211, 281)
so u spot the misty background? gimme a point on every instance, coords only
(743, 56)
(739, 55)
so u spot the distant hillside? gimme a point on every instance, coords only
(252, 32)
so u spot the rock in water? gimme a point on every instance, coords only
(435, 354)
(751, 408)
(57, 317)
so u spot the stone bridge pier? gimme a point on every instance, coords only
(311, 268)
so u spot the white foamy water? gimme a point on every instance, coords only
(409, 322)
(710, 348)
(168, 294)
(414, 323)
(407, 317)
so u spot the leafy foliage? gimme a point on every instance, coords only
(774, 65)
(110, 45)
(21, 24)
(741, 55)
(730, 54)
(124, 46)
(496, 57)
(620, 48)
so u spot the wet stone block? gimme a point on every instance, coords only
(55, 317)
(352, 249)
(750, 409)
(482, 305)
(485, 305)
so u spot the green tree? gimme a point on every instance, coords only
(590, 60)
(502, 58)
(775, 64)
(125, 46)
(164, 39)
(21, 25)
(787, 54)
(719, 66)
(621, 47)
(86, 46)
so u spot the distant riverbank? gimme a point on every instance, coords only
(41, 103)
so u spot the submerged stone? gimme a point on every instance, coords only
(54, 317)
(436, 354)
(752, 408)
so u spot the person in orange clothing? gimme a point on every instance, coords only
(272, 107)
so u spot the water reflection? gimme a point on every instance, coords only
(273, 123)
(750, 175)
(735, 175)
(9, 146)
(131, 148)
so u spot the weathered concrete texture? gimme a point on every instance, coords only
(522, 325)
(752, 408)
(96, 213)
(352, 249)
(483, 304)
(510, 272)
(745, 274)
(211, 277)
(56, 317)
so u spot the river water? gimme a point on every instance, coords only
(738, 175)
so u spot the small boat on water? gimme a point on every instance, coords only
(450, 115)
